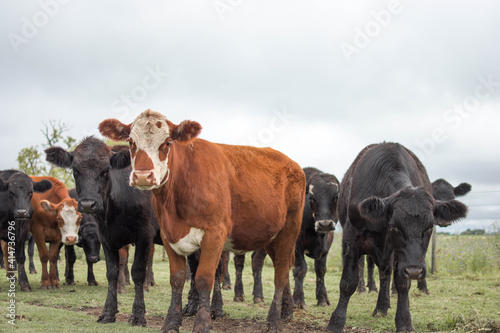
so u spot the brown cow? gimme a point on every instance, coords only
(213, 197)
(55, 219)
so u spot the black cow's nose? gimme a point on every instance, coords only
(93, 259)
(21, 213)
(87, 206)
(414, 273)
(324, 226)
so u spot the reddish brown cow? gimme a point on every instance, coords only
(55, 219)
(212, 197)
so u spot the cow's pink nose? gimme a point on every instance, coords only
(71, 240)
(141, 178)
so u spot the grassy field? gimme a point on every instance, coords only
(464, 297)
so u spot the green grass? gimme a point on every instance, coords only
(464, 296)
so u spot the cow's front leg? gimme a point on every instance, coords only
(299, 273)
(53, 256)
(110, 310)
(21, 272)
(403, 316)
(348, 284)
(320, 268)
(70, 254)
(372, 286)
(384, 299)
(141, 255)
(177, 279)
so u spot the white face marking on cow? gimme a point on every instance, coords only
(189, 243)
(311, 189)
(149, 133)
(70, 227)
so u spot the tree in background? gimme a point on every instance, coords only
(31, 160)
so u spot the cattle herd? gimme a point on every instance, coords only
(202, 200)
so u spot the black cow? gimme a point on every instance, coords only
(315, 238)
(88, 239)
(16, 190)
(316, 234)
(124, 214)
(441, 190)
(387, 211)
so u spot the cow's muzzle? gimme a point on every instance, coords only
(414, 272)
(88, 206)
(324, 226)
(143, 178)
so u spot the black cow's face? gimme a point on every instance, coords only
(409, 216)
(444, 191)
(89, 239)
(20, 188)
(323, 193)
(91, 162)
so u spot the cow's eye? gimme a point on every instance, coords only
(104, 173)
(393, 229)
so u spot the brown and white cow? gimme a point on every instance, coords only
(212, 197)
(55, 219)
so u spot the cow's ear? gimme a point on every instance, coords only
(114, 129)
(48, 206)
(58, 156)
(374, 209)
(462, 189)
(447, 212)
(120, 159)
(4, 186)
(42, 186)
(186, 131)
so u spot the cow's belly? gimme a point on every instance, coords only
(189, 243)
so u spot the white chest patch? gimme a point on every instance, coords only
(189, 243)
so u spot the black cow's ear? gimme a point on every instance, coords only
(447, 212)
(120, 159)
(58, 156)
(374, 209)
(42, 186)
(3, 185)
(462, 189)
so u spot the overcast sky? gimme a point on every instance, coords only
(318, 80)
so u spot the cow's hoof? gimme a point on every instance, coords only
(106, 319)
(239, 298)
(69, 283)
(33, 271)
(26, 288)
(227, 287)
(216, 314)
(257, 300)
(324, 303)
(93, 283)
(137, 321)
(44, 287)
(121, 290)
(272, 328)
(203, 322)
(379, 313)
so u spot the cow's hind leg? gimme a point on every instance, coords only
(258, 258)
(31, 254)
(142, 250)
(193, 297)
(299, 273)
(239, 264)
(110, 310)
(217, 302)
(372, 286)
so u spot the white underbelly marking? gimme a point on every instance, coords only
(189, 243)
(228, 246)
